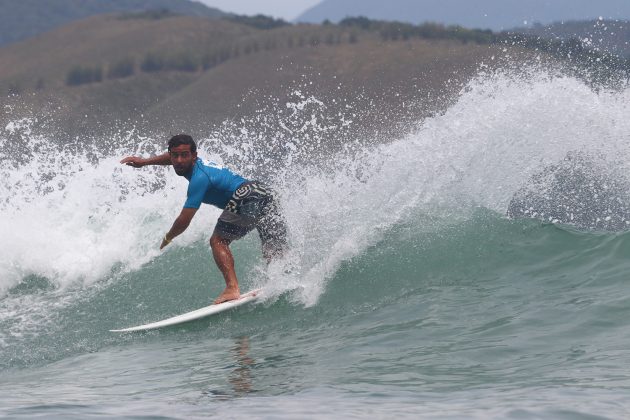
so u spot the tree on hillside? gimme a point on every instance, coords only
(123, 68)
(80, 75)
(152, 62)
(259, 21)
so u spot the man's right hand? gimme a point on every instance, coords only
(136, 162)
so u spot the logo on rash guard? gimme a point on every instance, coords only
(212, 164)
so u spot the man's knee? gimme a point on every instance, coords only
(216, 241)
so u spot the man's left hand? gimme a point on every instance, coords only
(164, 242)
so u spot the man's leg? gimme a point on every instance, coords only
(272, 230)
(225, 261)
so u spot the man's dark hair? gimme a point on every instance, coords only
(181, 139)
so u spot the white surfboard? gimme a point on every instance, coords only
(198, 314)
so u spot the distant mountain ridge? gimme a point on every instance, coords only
(21, 19)
(482, 14)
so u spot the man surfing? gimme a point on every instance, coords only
(247, 205)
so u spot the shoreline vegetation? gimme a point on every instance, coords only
(348, 31)
(272, 34)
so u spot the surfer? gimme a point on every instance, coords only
(246, 205)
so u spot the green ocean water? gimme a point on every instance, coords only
(489, 316)
(408, 292)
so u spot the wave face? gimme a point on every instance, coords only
(407, 291)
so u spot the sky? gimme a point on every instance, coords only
(285, 9)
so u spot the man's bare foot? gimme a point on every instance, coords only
(227, 295)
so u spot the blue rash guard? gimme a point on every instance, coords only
(211, 185)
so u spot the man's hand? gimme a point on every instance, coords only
(136, 162)
(165, 241)
(179, 226)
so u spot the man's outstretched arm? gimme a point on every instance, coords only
(179, 226)
(138, 162)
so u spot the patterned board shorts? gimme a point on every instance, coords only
(252, 206)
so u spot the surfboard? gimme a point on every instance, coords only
(197, 314)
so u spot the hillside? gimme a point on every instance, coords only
(604, 35)
(21, 19)
(176, 73)
(491, 14)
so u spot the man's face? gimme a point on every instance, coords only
(182, 159)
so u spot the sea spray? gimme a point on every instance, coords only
(77, 222)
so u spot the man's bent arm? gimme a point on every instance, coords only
(179, 226)
(138, 162)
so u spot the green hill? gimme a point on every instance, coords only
(21, 19)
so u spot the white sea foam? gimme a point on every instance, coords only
(74, 215)
(479, 152)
